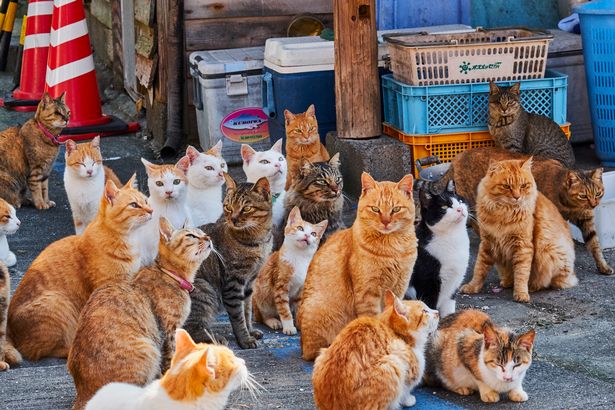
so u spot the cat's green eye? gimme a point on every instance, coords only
(209, 168)
(444, 206)
(159, 183)
(248, 209)
(264, 161)
(321, 182)
(300, 228)
(582, 196)
(134, 205)
(176, 181)
(375, 209)
(281, 159)
(396, 209)
(314, 234)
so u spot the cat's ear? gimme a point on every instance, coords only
(149, 167)
(183, 341)
(46, 100)
(571, 178)
(192, 153)
(526, 340)
(208, 361)
(450, 187)
(515, 88)
(277, 147)
(262, 186)
(62, 98)
(597, 174)
(321, 227)
(493, 88)
(70, 146)
(183, 164)
(367, 183)
(166, 229)
(494, 166)
(335, 160)
(294, 216)
(405, 185)
(95, 143)
(216, 150)
(230, 182)
(527, 165)
(399, 309)
(306, 166)
(247, 153)
(132, 182)
(490, 337)
(111, 191)
(288, 116)
(311, 111)
(389, 298)
(425, 196)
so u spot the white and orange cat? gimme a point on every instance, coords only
(279, 284)
(205, 179)
(9, 224)
(201, 377)
(272, 165)
(84, 180)
(168, 185)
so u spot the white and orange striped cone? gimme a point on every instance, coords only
(34, 61)
(70, 69)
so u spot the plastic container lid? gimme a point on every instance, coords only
(216, 63)
(596, 7)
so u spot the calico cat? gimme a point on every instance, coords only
(443, 251)
(516, 130)
(243, 241)
(28, 152)
(126, 331)
(201, 377)
(279, 284)
(270, 164)
(167, 186)
(521, 233)
(317, 193)
(9, 356)
(350, 273)
(9, 224)
(44, 310)
(205, 180)
(469, 353)
(574, 192)
(376, 362)
(302, 142)
(84, 180)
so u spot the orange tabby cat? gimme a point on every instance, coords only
(9, 356)
(44, 310)
(469, 353)
(522, 234)
(279, 284)
(302, 141)
(376, 362)
(349, 274)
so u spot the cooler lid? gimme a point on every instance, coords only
(215, 63)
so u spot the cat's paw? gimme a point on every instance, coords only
(506, 283)
(490, 396)
(41, 205)
(464, 391)
(605, 269)
(470, 288)
(51, 204)
(273, 323)
(4, 366)
(522, 297)
(249, 343)
(408, 401)
(257, 334)
(290, 330)
(517, 395)
(11, 259)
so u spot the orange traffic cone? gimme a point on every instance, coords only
(70, 69)
(34, 61)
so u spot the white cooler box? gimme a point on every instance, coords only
(227, 98)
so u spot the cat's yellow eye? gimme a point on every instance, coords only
(248, 209)
(264, 161)
(396, 209)
(209, 168)
(444, 207)
(506, 186)
(314, 234)
(525, 185)
(176, 181)
(582, 196)
(227, 209)
(159, 183)
(300, 228)
(321, 182)
(375, 209)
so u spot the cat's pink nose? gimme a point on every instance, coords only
(90, 172)
(278, 165)
(220, 174)
(169, 193)
(507, 378)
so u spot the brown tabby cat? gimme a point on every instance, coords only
(469, 353)
(9, 356)
(278, 286)
(44, 310)
(349, 274)
(522, 233)
(516, 130)
(302, 142)
(574, 192)
(376, 362)
(28, 152)
(127, 330)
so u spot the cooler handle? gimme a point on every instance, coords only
(197, 97)
(267, 92)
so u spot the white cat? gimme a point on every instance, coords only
(9, 224)
(205, 179)
(201, 377)
(270, 164)
(168, 186)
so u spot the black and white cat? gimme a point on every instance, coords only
(443, 251)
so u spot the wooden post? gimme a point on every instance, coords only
(357, 85)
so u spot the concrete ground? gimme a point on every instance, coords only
(573, 366)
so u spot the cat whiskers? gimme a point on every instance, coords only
(253, 387)
(219, 255)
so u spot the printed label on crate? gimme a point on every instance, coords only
(495, 66)
(246, 125)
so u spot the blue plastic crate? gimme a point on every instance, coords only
(465, 107)
(598, 34)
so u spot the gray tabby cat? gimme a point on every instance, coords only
(516, 130)
(317, 192)
(243, 239)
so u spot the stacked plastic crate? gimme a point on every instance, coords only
(437, 99)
